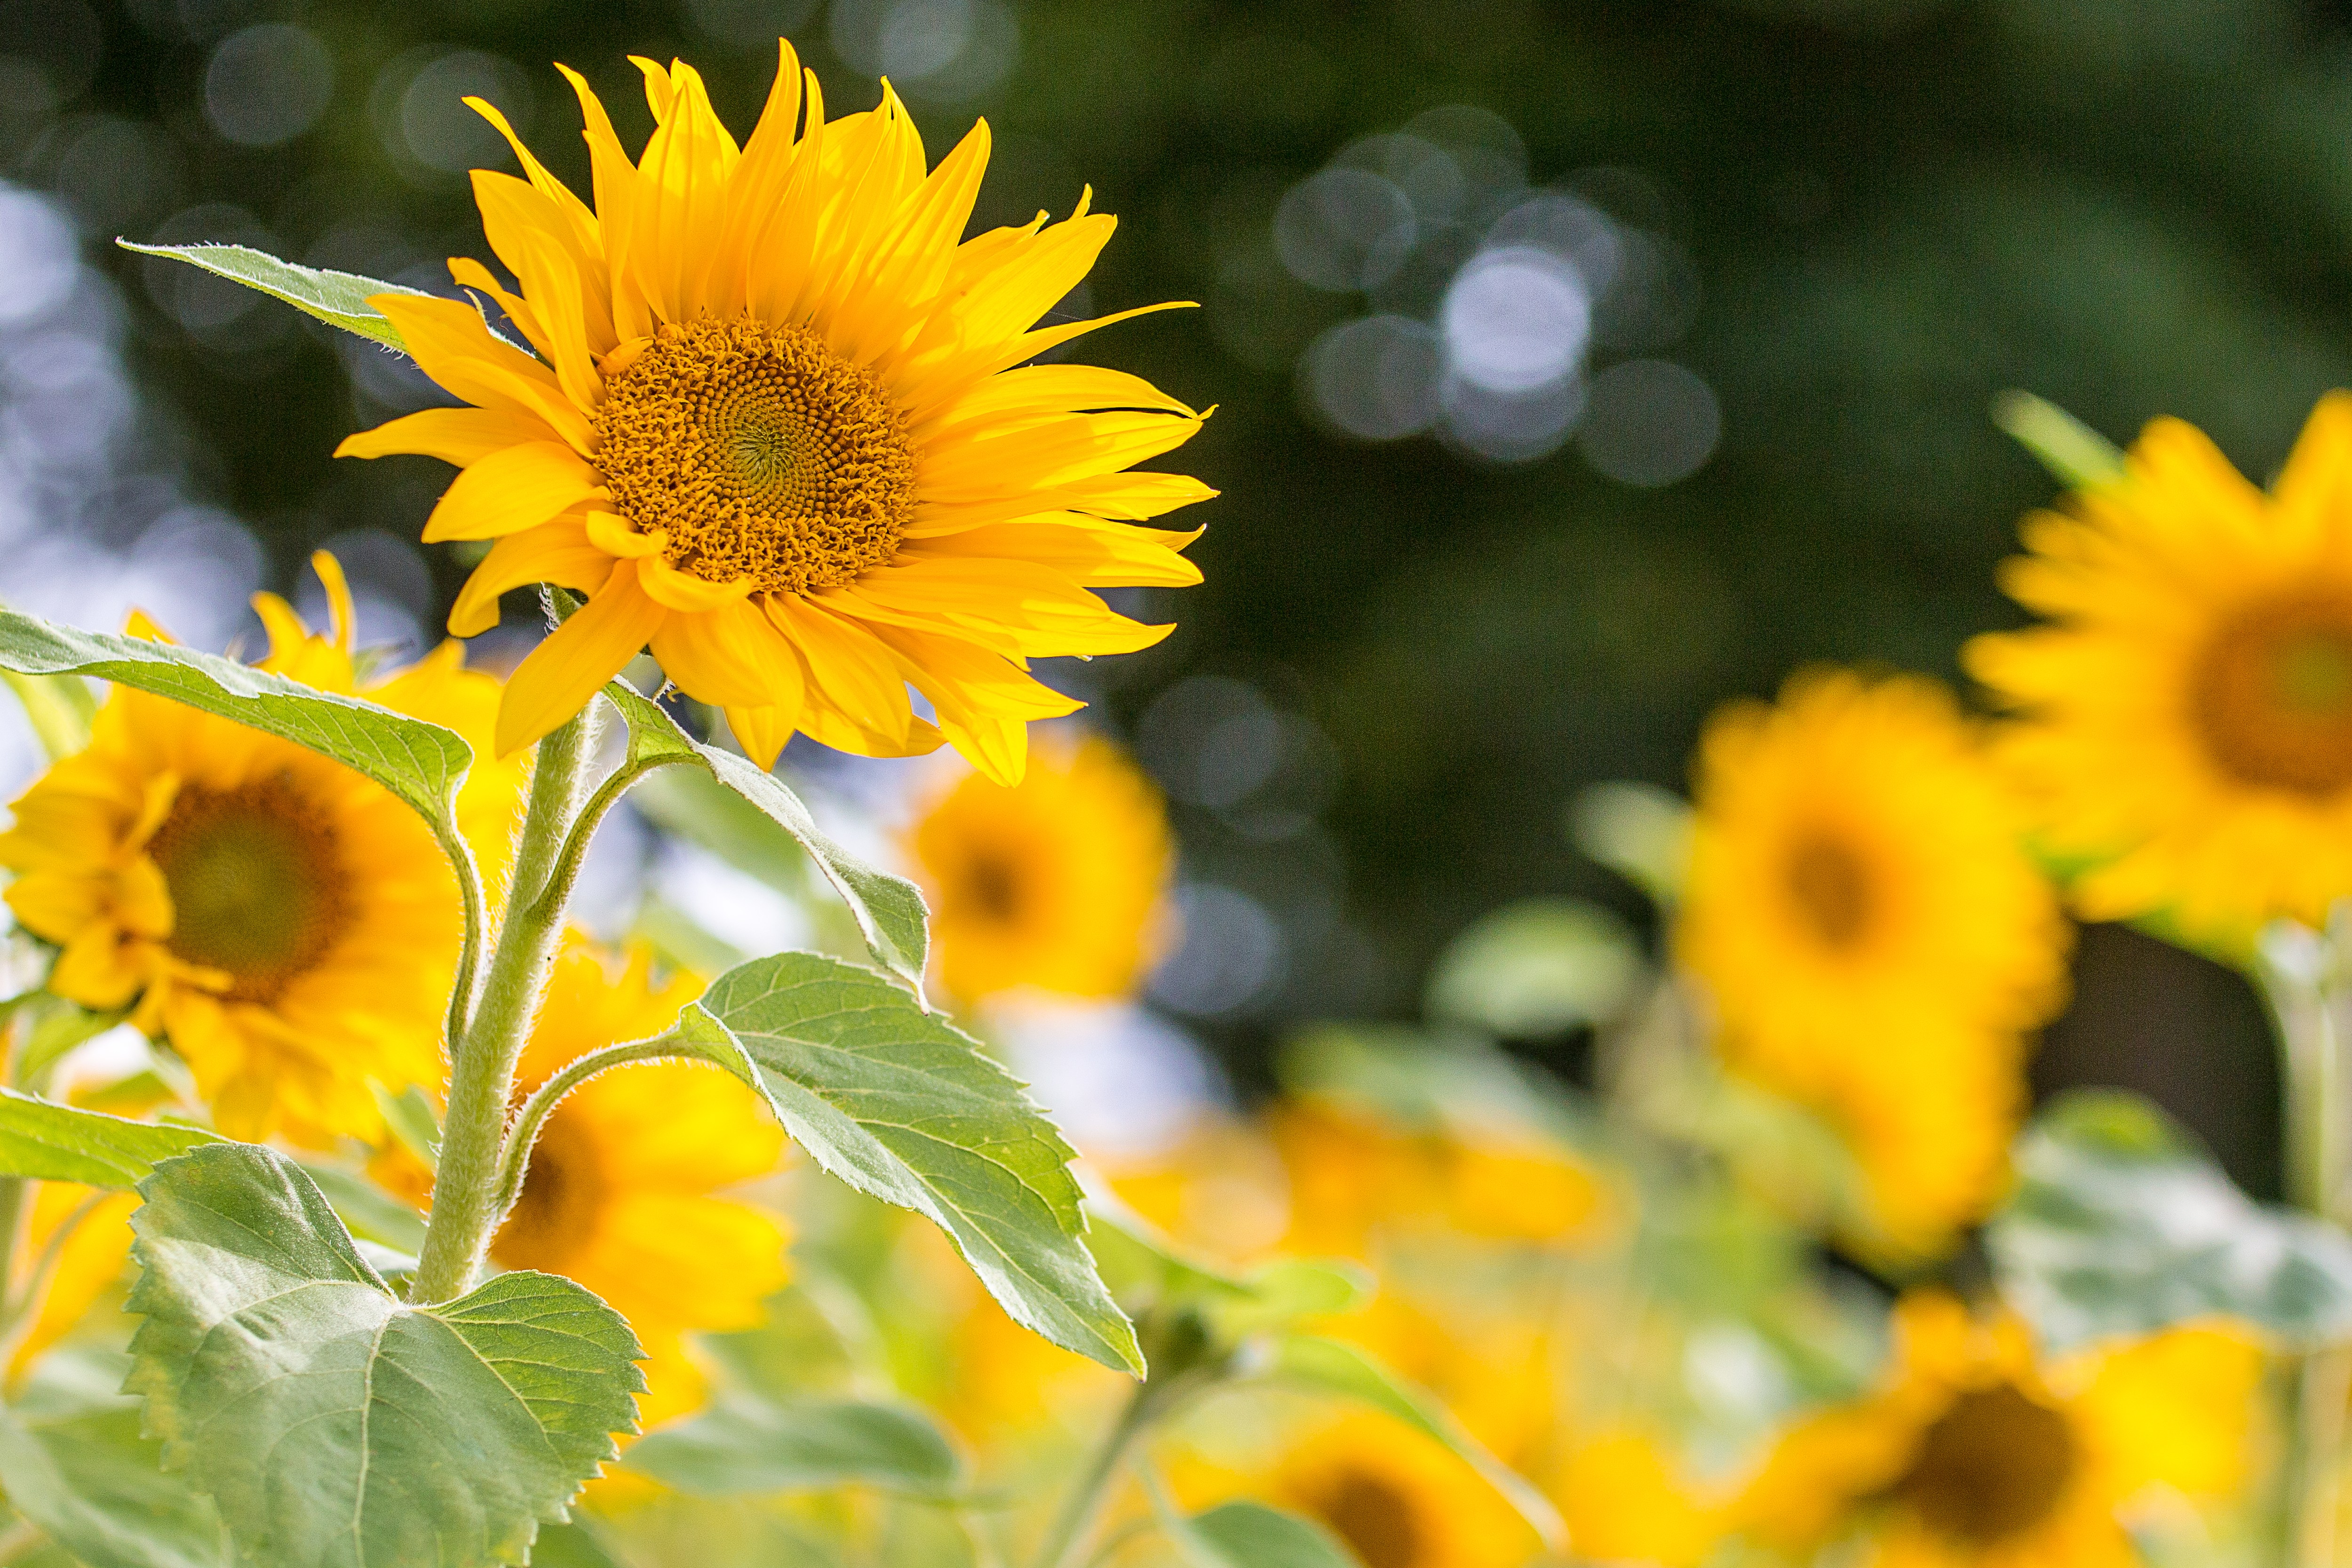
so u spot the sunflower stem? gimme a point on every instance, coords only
(1076, 1520)
(482, 1063)
(515, 1164)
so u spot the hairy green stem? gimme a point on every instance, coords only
(566, 872)
(515, 1164)
(1065, 1541)
(482, 1059)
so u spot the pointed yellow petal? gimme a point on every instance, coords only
(509, 490)
(564, 673)
(451, 343)
(460, 436)
(339, 613)
(684, 590)
(558, 551)
(731, 656)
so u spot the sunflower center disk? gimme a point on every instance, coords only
(562, 1188)
(1375, 1519)
(758, 453)
(256, 881)
(1991, 1467)
(2272, 694)
(1830, 885)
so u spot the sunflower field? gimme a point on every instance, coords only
(716, 856)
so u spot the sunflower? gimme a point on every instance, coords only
(1396, 1498)
(1626, 1499)
(774, 429)
(289, 925)
(2184, 719)
(1975, 1453)
(1059, 882)
(619, 1192)
(1873, 936)
(86, 1259)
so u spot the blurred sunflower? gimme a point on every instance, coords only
(289, 925)
(2185, 717)
(83, 1260)
(1625, 1498)
(774, 430)
(1059, 882)
(1975, 1451)
(1873, 936)
(619, 1194)
(1396, 1498)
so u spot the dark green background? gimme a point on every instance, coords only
(2132, 206)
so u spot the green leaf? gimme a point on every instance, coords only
(371, 1212)
(1637, 830)
(65, 1144)
(2122, 1224)
(338, 299)
(1252, 1535)
(422, 763)
(1540, 966)
(1330, 1366)
(571, 1546)
(59, 1026)
(2075, 455)
(903, 1106)
(90, 1482)
(738, 1449)
(1146, 1271)
(890, 910)
(336, 1427)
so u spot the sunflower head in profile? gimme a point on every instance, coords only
(622, 1191)
(290, 927)
(1059, 883)
(1394, 1498)
(774, 428)
(1872, 937)
(2184, 714)
(1975, 1450)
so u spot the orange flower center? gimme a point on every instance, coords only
(1829, 884)
(1992, 1467)
(755, 451)
(258, 883)
(1372, 1516)
(554, 1215)
(2271, 693)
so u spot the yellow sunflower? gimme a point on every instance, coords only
(1059, 882)
(2185, 717)
(1873, 939)
(87, 1260)
(775, 429)
(289, 925)
(1976, 1454)
(1627, 1499)
(619, 1194)
(1396, 1498)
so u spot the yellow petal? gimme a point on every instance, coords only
(460, 436)
(732, 656)
(562, 674)
(763, 732)
(510, 491)
(684, 590)
(558, 551)
(451, 342)
(849, 670)
(618, 536)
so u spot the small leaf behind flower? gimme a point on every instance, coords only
(1252, 1535)
(338, 299)
(890, 910)
(1334, 1367)
(2122, 1224)
(65, 1144)
(902, 1105)
(738, 1449)
(336, 1427)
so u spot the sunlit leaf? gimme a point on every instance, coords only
(902, 1105)
(336, 1427)
(890, 910)
(66, 1144)
(2122, 1224)
(338, 299)
(1540, 966)
(738, 1448)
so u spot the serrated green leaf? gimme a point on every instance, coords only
(2122, 1224)
(1251, 1535)
(572, 1545)
(902, 1105)
(422, 763)
(890, 910)
(1334, 1367)
(338, 299)
(336, 1427)
(741, 1448)
(90, 1482)
(66, 1144)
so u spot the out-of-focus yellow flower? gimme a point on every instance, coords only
(1626, 1499)
(1058, 883)
(775, 429)
(2186, 716)
(289, 926)
(619, 1194)
(1872, 937)
(1976, 1452)
(1396, 1498)
(89, 1259)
